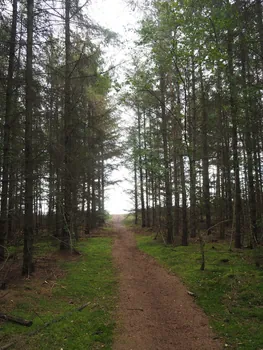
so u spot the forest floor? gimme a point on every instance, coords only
(70, 300)
(155, 310)
(135, 295)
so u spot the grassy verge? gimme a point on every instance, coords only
(87, 280)
(128, 220)
(230, 290)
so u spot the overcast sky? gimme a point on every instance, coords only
(118, 16)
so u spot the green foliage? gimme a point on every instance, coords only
(88, 280)
(230, 290)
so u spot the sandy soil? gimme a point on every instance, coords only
(154, 311)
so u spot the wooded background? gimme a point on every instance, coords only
(196, 140)
(58, 129)
(195, 147)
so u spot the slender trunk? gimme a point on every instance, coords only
(83, 198)
(184, 203)
(227, 177)
(7, 127)
(51, 191)
(143, 216)
(102, 181)
(147, 213)
(28, 266)
(58, 202)
(88, 220)
(219, 157)
(233, 111)
(66, 239)
(168, 192)
(93, 198)
(249, 143)
(258, 188)
(99, 185)
(206, 191)
(176, 113)
(11, 202)
(75, 214)
(153, 208)
(148, 218)
(135, 192)
(192, 158)
(176, 192)
(260, 25)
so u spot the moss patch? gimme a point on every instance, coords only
(89, 280)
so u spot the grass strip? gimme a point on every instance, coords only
(230, 290)
(90, 281)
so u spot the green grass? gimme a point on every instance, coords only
(47, 245)
(129, 220)
(231, 292)
(90, 279)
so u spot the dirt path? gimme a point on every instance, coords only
(154, 311)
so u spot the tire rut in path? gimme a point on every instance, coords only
(154, 310)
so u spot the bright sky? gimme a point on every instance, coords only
(118, 16)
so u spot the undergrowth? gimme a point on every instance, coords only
(88, 281)
(230, 290)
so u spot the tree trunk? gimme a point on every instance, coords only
(168, 191)
(143, 216)
(147, 213)
(248, 128)
(102, 181)
(184, 204)
(11, 203)
(206, 191)
(66, 238)
(28, 266)
(7, 127)
(51, 190)
(88, 219)
(192, 136)
(93, 198)
(260, 26)
(219, 157)
(233, 111)
(135, 192)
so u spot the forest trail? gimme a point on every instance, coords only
(154, 310)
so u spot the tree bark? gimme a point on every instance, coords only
(219, 157)
(28, 266)
(168, 191)
(192, 156)
(66, 238)
(135, 192)
(233, 111)
(7, 130)
(143, 216)
(205, 161)
(184, 204)
(248, 129)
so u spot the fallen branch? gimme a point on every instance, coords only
(47, 324)
(82, 307)
(2, 296)
(17, 320)
(137, 309)
(7, 346)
